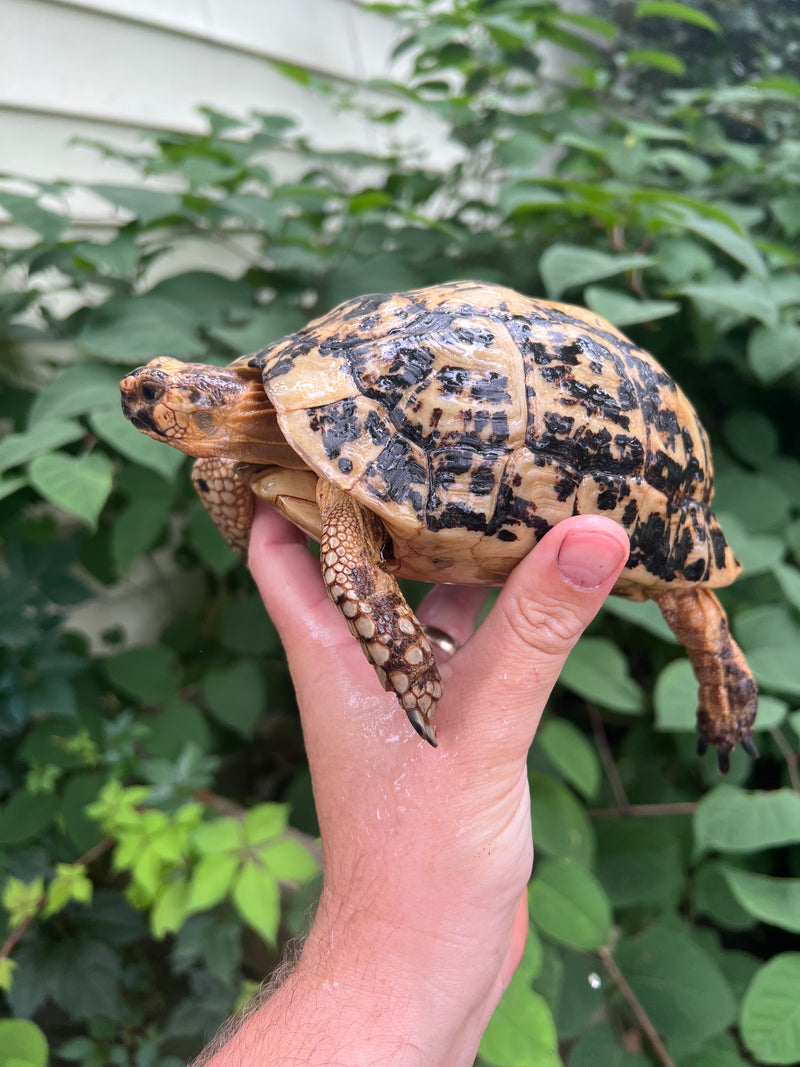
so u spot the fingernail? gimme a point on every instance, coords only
(586, 560)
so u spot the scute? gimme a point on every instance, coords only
(471, 419)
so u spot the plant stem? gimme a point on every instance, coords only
(645, 811)
(641, 1015)
(604, 752)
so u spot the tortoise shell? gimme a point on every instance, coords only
(471, 419)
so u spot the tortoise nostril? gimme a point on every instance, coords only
(151, 393)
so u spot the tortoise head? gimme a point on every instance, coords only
(202, 410)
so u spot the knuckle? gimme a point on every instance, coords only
(549, 627)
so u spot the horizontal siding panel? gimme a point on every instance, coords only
(333, 36)
(55, 59)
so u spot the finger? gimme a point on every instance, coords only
(517, 654)
(454, 610)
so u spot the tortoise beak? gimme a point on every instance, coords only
(139, 391)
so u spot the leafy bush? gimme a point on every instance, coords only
(141, 837)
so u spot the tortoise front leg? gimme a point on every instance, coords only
(374, 608)
(728, 694)
(226, 498)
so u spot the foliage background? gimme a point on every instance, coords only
(159, 840)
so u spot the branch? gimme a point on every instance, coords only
(643, 1019)
(645, 811)
(604, 752)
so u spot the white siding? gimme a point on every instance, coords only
(105, 69)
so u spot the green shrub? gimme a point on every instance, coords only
(662, 898)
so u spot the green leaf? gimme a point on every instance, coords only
(257, 899)
(598, 671)
(137, 528)
(22, 1044)
(148, 674)
(131, 330)
(208, 542)
(602, 1047)
(221, 835)
(639, 862)
(26, 815)
(564, 266)
(679, 985)
(773, 351)
(79, 792)
(729, 819)
(19, 448)
(568, 904)
(675, 697)
(265, 822)
(255, 209)
(10, 485)
(713, 897)
(751, 435)
(730, 241)
(770, 1014)
(247, 629)
(760, 504)
(789, 581)
(777, 668)
(652, 57)
(170, 910)
(771, 900)
(146, 204)
(78, 389)
(521, 1033)
(560, 824)
(260, 330)
(179, 724)
(80, 486)
(786, 210)
(570, 751)
(26, 212)
(735, 296)
(526, 194)
(118, 257)
(236, 695)
(211, 880)
(646, 615)
(288, 860)
(625, 310)
(113, 428)
(720, 1051)
(668, 9)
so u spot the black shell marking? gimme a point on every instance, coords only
(470, 410)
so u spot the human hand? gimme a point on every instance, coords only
(427, 852)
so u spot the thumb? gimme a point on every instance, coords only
(551, 597)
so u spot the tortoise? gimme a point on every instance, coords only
(437, 435)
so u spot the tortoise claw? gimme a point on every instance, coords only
(423, 728)
(702, 746)
(723, 760)
(750, 747)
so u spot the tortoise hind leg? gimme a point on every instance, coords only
(374, 608)
(728, 696)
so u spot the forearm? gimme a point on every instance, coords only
(366, 994)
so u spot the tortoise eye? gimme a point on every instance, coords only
(150, 393)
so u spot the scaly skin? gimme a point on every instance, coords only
(728, 697)
(373, 607)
